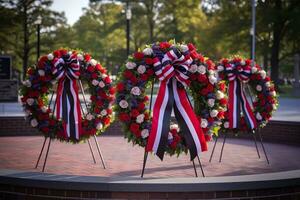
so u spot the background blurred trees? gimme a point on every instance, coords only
(218, 28)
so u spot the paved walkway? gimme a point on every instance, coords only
(124, 160)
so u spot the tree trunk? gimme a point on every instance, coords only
(26, 40)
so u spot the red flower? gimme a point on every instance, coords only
(194, 54)
(204, 92)
(127, 74)
(144, 77)
(135, 129)
(93, 98)
(211, 65)
(90, 68)
(56, 53)
(97, 110)
(267, 79)
(87, 57)
(63, 52)
(106, 121)
(220, 115)
(133, 79)
(248, 62)
(207, 137)
(138, 55)
(124, 117)
(85, 122)
(141, 106)
(109, 111)
(164, 45)
(210, 120)
(94, 75)
(107, 80)
(191, 47)
(134, 113)
(120, 87)
(202, 78)
(98, 67)
(146, 98)
(112, 90)
(146, 116)
(193, 77)
(44, 89)
(149, 61)
(150, 72)
(99, 103)
(45, 129)
(52, 122)
(223, 101)
(222, 86)
(210, 88)
(224, 61)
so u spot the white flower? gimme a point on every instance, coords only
(93, 62)
(145, 133)
(30, 101)
(174, 126)
(213, 113)
(140, 118)
(201, 69)
(183, 48)
(268, 84)
(50, 56)
(141, 69)
(226, 125)
(79, 57)
(219, 95)
(243, 62)
(99, 126)
(44, 109)
(204, 123)
(101, 84)
(220, 68)
(273, 93)
(41, 72)
(274, 106)
(130, 65)
(170, 136)
(34, 123)
(27, 112)
(103, 112)
(211, 72)
(148, 51)
(259, 88)
(263, 73)
(253, 70)
(95, 82)
(27, 83)
(258, 116)
(193, 68)
(89, 117)
(103, 76)
(211, 102)
(212, 80)
(135, 91)
(123, 103)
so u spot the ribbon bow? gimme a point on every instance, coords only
(66, 71)
(173, 73)
(237, 75)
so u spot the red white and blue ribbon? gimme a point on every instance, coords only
(66, 71)
(173, 74)
(237, 99)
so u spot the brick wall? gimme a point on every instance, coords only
(275, 131)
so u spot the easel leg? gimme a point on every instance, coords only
(99, 151)
(37, 163)
(201, 166)
(91, 151)
(263, 147)
(213, 150)
(144, 163)
(254, 138)
(45, 161)
(195, 168)
(221, 155)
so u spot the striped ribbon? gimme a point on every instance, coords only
(173, 74)
(237, 97)
(66, 71)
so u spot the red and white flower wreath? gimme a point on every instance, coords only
(65, 67)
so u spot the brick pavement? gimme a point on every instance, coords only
(123, 160)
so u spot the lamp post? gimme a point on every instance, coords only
(252, 33)
(128, 17)
(38, 22)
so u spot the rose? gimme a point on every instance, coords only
(123, 104)
(145, 133)
(253, 70)
(268, 84)
(259, 88)
(124, 117)
(204, 123)
(30, 101)
(202, 78)
(258, 116)
(101, 84)
(164, 45)
(226, 125)
(201, 69)
(134, 128)
(219, 94)
(223, 101)
(243, 62)
(213, 113)
(135, 91)
(141, 69)
(79, 57)
(140, 118)
(193, 68)
(211, 102)
(93, 62)
(103, 112)
(120, 87)
(89, 117)
(148, 51)
(41, 72)
(99, 126)
(34, 123)
(95, 82)
(212, 80)
(263, 74)
(134, 113)
(130, 65)
(138, 55)
(50, 56)
(184, 48)
(27, 83)
(220, 68)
